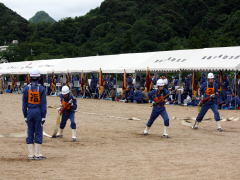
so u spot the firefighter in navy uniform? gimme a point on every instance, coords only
(34, 107)
(68, 108)
(209, 90)
(159, 97)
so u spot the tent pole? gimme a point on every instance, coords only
(180, 81)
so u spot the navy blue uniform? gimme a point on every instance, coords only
(68, 113)
(159, 108)
(130, 82)
(34, 107)
(138, 96)
(129, 95)
(207, 90)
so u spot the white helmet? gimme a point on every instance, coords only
(65, 90)
(35, 73)
(160, 82)
(210, 76)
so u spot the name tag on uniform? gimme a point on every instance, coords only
(33, 97)
(209, 91)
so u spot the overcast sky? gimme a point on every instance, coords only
(57, 9)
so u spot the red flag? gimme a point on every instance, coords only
(100, 78)
(194, 84)
(82, 79)
(148, 83)
(124, 83)
(101, 83)
(220, 79)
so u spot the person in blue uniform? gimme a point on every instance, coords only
(187, 86)
(155, 79)
(138, 95)
(209, 90)
(203, 78)
(68, 108)
(159, 108)
(93, 84)
(130, 81)
(175, 83)
(34, 108)
(129, 96)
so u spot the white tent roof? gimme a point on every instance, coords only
(209, 59)
(214, 59)
(108, 64)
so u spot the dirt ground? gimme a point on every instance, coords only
(111, 147)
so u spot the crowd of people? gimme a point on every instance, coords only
(136, 89)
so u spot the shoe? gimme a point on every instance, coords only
(146, 131)
(40, 158)
(30, 151)
(60, 133)
(165, 136)
(220, 129)
(38, 152)
(195, 126)
(31, 158)
(74, 135)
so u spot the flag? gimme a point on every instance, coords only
(69, 80)
(82, 83)
(53, 83)
(27, 79)
(194, 84)
(148, 83)
(124, 83)
(220, 79)
(100, 78)
(101, 82)
(82, 79)
(13, 80)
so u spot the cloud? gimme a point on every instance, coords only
(57, 9)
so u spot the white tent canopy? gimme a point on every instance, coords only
(215, 59)
(209, 59)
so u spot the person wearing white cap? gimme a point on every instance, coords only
(209, 90)
(34, 107)
(68, 108)
(159, 97)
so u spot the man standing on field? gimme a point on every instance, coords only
(34, 107)
(209, 90)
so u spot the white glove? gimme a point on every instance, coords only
(43, 121)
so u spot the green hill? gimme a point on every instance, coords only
(41, 17)
(12, 26)
(126, 26)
